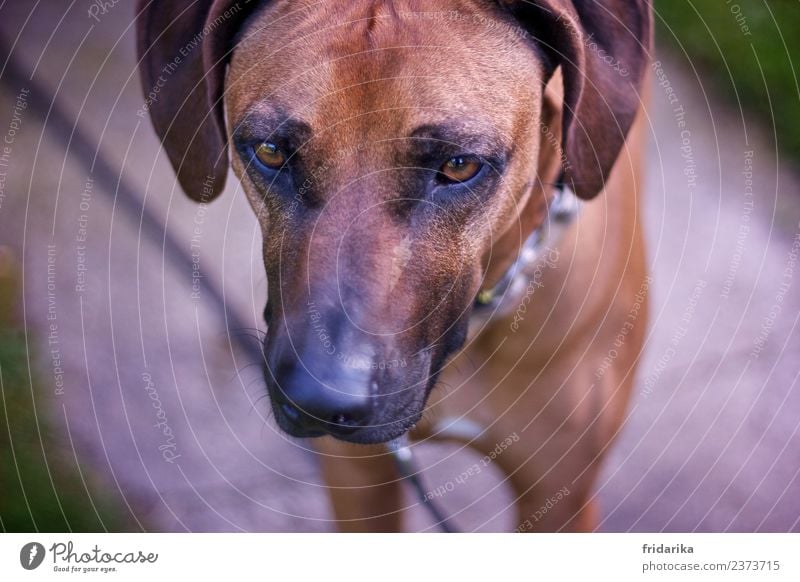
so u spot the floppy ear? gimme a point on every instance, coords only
(183, 48)
(603, 49)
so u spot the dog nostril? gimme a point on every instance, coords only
(291, 412)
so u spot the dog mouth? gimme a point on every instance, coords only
(354, 387)
(361, 408)
(390, 419)
(375, 433)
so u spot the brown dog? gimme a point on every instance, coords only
(398, 155)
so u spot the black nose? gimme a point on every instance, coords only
(308, 406)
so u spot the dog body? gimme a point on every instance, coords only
(560, 379)
(398, 157)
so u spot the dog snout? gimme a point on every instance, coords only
(309, 405)
(317, 393)
(330, 372)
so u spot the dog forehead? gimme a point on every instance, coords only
(414, 62)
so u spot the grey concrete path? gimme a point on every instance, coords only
(157, 404)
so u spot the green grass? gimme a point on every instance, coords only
(734, 61)
(41, 488)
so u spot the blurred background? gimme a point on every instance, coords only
(128, 396)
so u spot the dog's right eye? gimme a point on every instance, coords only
(270, 155)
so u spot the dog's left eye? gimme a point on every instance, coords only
(270, 155)
(459, 169)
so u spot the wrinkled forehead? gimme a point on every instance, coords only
(386, 66)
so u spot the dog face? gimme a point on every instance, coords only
(379, 188)
(392, 157)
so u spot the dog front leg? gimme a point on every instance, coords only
(555, 504)
(363, 486)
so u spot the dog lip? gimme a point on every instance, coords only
(295, 430)
(288, 420)
(360, 436)
(382, 432)
(366, 436)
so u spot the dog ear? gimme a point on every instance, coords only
(603, 49)
(183, 49)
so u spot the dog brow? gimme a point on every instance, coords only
(260, 122)
(474, 137)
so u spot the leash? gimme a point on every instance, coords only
(404, 459)
(489, 303)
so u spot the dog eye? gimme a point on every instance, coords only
(270, 155)
(459, 169)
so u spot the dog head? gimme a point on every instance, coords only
(397, 156)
